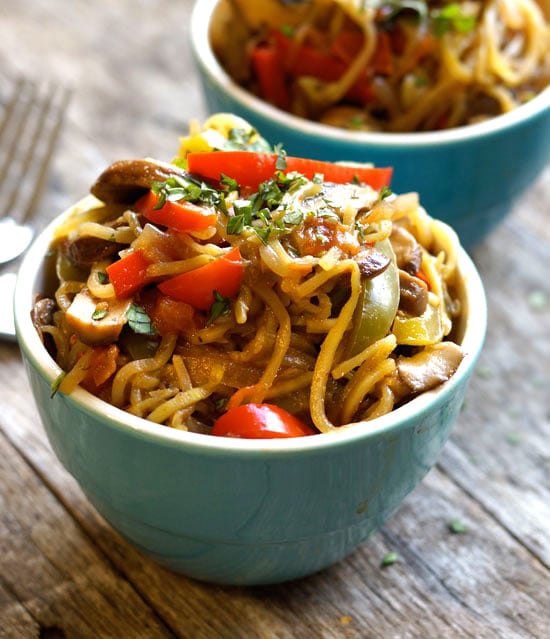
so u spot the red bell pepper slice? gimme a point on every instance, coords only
(181, 216)
(250, 169)
(269, 69)
(128, 274)
(306, 60)
(223, 275)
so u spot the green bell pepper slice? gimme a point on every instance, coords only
(377, 305)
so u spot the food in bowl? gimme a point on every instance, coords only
(241, 292)
(384, 65)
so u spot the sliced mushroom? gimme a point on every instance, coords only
(372, 262)
(413, 294)
(42, 312)
(408, 253)
(126, 180)
(86, 250)
(432, 366)
(110, 318)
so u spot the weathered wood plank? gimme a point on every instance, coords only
(444, 585)
(51, 576)
(499, 451)
(135, 94)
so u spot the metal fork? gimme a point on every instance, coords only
(29, 128)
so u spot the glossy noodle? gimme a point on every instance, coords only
(336, 301)
(386, 65)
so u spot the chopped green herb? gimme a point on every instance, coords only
(318, 178)
(361, 231)
(356, 121)
(221, 403)
(484, 372)
(232, 185)
(385, 192)
(102, 277)
(221, 306)
(537, 300)
(280, 163)
(263, 233)
(57, 383)
(187, 188)
(390, 558)
(99, 313)
(139, 321)
(294, 217)
(287, 30)
(245, 140)
(513, 438)
(452, 18)
(456, 526)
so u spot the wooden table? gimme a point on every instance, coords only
(65, 573)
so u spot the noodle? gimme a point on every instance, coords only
(391, 66)
(314, 300)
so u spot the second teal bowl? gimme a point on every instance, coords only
(469, 177)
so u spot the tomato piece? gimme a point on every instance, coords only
(129, 273)
(260, 421)
(171, 316)
(251, 169)
(181, 216)
(197, 287)
(102, 365)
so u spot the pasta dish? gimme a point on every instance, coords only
(387, 65)
(239, 279)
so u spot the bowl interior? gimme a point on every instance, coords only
(33, 280)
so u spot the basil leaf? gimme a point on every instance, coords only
(139, 321)
(99, 313)
(221, 306)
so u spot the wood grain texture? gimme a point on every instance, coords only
(65, 573)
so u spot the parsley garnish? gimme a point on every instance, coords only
(221, 306)
(187, 188)
(139, 321)
(456, 526)
(451, 18)
(246, 140)
(293, 217)
(390, 558)
(229, 182)
(287, 30)
(99, 313)
(280, 163)
(385, 192)
(102, 277)
(57, 383)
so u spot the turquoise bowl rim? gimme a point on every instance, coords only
(200, 44)
(474, 331)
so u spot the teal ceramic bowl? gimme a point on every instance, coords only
(242, 511)
(469, 177)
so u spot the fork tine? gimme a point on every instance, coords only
(57, 115)
(34, 119)
(10, 106)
